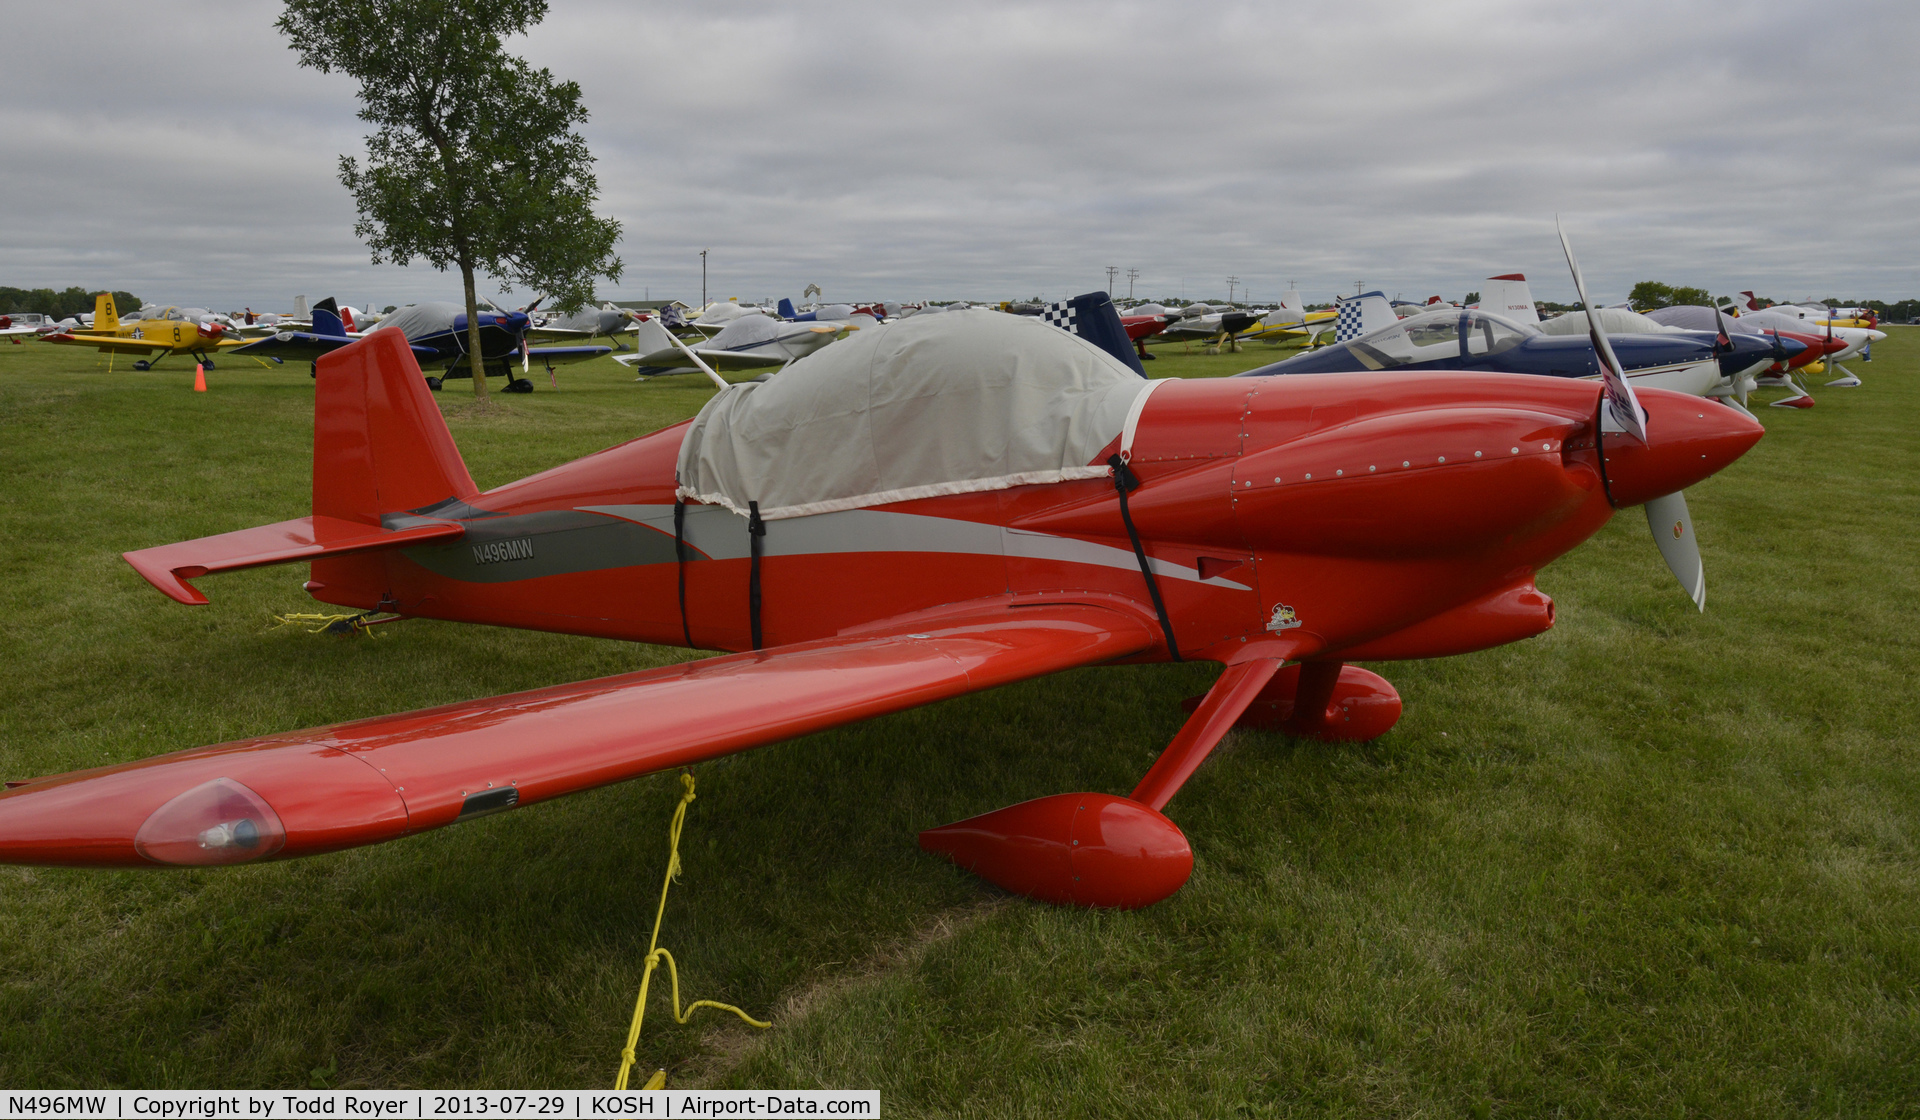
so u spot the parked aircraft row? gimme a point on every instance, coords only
(1723, 352)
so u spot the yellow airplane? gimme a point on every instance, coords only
(1309, 325)
(168, 332)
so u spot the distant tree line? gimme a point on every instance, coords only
(59, 305)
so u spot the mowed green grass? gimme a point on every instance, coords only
(1651, 863)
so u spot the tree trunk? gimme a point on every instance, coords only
(473, 333)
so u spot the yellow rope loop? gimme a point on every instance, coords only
(655, 954)
(347, 624)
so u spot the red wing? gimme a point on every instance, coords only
(375, 779)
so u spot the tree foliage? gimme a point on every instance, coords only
(61, 304)
(1650, 294)
(475, 163)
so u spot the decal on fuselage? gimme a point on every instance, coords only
(494, 552)
(1283, 619)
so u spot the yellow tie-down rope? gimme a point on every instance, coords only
(655, 955)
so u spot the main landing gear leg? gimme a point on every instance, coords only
(1322, 700)
(1095, 849)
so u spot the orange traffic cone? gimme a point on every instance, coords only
(199, 378)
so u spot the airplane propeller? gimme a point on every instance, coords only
(1667, 516)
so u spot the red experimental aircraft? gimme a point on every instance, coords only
(1280, 527)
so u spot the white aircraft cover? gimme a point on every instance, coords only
(1613, 320)
(417, 320)
(942, 404)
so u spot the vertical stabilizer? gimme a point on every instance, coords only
(651, 337)
(786, 308)
(1290, 299)
(1509, 295)
(299, 307)
(326, 319)
(1363, 314)
(105, 317)
(379, 443)
(1094, 318)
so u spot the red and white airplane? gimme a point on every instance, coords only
(1007, 502)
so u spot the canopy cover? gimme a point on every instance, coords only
(417, 320)
(1613, 320)
(939, 404)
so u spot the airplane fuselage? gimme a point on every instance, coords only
(1375, 516)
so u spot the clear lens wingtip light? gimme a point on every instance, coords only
(219, 822)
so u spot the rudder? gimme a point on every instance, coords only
(105, 317)
(380, 445)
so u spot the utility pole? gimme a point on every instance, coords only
(1231, 281)
(1132, 275)
(1356, 287)
(1111, 273)
(703, 277)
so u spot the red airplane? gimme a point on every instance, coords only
(1142, 327)
(1280, 527)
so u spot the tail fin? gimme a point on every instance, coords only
(379, 443)
(1509, 295)
(1363, 314)
(650, 337)
(1093, 318)
(326, 319)
(1290, 299)
(786, 308)
(105, 318)
(379, 448)
(346, 319)
(299, 307)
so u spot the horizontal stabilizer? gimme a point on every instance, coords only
(170, 566)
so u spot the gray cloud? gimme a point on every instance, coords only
(987, 151)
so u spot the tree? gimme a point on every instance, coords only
(59, 305)
(1650, 294)
(475, 164)
(1472, 297)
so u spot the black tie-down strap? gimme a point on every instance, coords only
(756, 532)
(1124, 483)
(680, 559)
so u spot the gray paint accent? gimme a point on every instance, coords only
(563, 541)
(722, 535)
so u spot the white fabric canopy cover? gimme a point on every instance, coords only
(1613, 320)
(939, 404)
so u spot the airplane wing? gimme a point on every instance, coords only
(675, 361)
(118, 344)
(556, 334)
(299, 346)
(566, 355)
(377, 779)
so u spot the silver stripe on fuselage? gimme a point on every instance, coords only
(722, 534)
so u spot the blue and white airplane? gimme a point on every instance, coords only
(437, 333)
(1470, 339)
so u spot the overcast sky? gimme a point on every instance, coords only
(988, 151)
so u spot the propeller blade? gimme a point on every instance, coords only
(1622, 406)
(1672, 528)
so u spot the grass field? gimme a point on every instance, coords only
(1652, 863)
